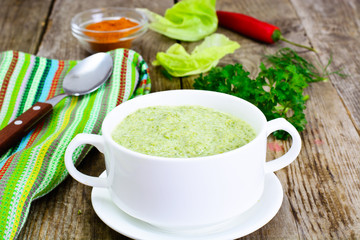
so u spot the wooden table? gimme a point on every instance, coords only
(321, 188)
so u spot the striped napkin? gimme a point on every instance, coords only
(35, 166)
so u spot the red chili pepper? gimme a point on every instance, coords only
(253, 28)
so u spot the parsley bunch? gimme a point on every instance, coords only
(277, 90)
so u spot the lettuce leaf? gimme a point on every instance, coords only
(187, 20)
(179, 63)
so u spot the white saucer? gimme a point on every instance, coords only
(253, 219)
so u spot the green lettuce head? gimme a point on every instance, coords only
(188, 20)
(179, 63)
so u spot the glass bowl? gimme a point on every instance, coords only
(106, 40)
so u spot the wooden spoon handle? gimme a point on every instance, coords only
(12, 133)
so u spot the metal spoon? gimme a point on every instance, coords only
(87, 76)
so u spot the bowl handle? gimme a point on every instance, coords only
(291, 155)
(81, 139)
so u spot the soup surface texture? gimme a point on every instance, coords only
(182, 131)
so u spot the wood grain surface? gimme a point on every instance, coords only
(23, 23)
(321, 188)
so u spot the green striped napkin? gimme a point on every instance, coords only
(36, 165)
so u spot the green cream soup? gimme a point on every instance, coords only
(182, 131)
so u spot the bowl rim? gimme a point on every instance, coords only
(141, 24)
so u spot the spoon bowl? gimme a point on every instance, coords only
(88, 75)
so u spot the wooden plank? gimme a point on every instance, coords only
(66, 212)
(333, 28)
(323, 184)
(22, 29)
(332, 179)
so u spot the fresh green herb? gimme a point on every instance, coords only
(277, 91)
(286, 56)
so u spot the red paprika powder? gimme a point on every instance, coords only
(109, 36)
